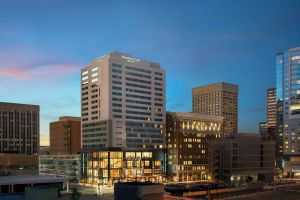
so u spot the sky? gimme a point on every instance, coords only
(43, 45)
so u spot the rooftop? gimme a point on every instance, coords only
(195, 116)
(7, 180)
(18, 104)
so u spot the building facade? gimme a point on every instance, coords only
(18, 164)
(109, 165)
(271, 108)
(67, 166)
(240, 158)
(122, 103)
(65, 136)
(263, 128)
(20, 128)
(220, 99)
(288, 89)
(187, 138)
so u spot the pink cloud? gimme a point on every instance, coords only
(40, 71)
(22, 62)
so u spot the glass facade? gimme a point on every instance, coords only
(60, 165)
(106, 167)
(279, 77)
(288, 107)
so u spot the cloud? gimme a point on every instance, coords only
(19, 61)
(33, 72)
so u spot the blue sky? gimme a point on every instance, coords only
(43, 45)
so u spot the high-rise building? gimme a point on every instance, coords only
(122, 103)
(65, 136)
(187, 139)
(263, 129)
(219, 99)
(271, 101)
(288, 92)
(267, 130)
(20, 128)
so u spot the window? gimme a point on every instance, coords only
(95, 74)
(147, 163)
(138, 69)
(130, 155)
(84, 73)
(146, 154)
(116, 65)
(117, 93)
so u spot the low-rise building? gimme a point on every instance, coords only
(16, 164)
(18, 184)
(187, 138)
(60, 165)
(115, 164)
(242, 157)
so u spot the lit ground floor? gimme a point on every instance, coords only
(183, 176)
(188, 172)
(245, 177)
(291, 166)
(107, 166)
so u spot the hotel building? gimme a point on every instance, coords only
(122, 103)
(288, 92)
(187, 139)
(19, 128)
(219, 99)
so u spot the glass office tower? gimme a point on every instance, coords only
(288, 92)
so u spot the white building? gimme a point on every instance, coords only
(122, 103)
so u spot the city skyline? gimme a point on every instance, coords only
(42, 49)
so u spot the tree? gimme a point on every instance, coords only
(75, 194)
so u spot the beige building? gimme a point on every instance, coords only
(242, 157)
(65, 136)
(187, 139)
(219, 99)
(122, 103)
(20, 128)
(271, 101)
